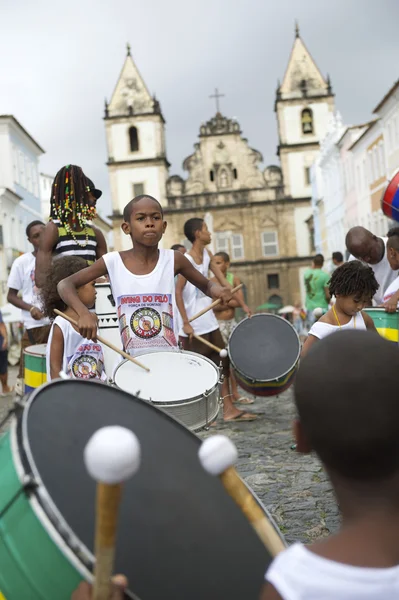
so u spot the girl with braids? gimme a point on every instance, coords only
(353, 285)
(69, 231)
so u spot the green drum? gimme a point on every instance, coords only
(174, 519)
(387, 324)
(34, 367)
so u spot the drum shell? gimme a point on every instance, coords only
(387, 324)
(266, 387)
(195, 412)
(108, 326)
(390, 199)
(35, 373)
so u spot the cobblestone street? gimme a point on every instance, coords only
(292, 487)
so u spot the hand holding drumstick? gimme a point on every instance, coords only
(118, 587)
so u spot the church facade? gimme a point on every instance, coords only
(262, 217)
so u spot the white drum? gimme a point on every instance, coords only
(108, 326)
(184, 384)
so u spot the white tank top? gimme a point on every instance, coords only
(299, 574)
(145, 304)
(322, 330)
(194, 300)
(83, 358)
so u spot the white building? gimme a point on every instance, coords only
(388, 111)
(19, 192)
(46, 181)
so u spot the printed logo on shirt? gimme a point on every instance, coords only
(84, 367)
(146, 323)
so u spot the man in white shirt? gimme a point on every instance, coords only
(22, 279)
(367, 247)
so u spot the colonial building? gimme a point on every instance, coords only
(19, 192)
(261, 216)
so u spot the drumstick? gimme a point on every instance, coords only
(105, 342)
(217, 455)
(222, 351)
(215, 303)
(112, 455)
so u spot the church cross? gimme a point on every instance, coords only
(216, 95)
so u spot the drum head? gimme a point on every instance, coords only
(173, 376)
(36, 350)
(180, 535)
(264, 347)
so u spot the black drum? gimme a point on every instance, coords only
(180, 535)
(264, 352)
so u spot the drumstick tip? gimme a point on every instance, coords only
(217, 453)
(112, 455)
(223, 353)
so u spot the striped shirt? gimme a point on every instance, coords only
(67, 246)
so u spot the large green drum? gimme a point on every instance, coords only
(34, 367)
(387, 324)
(180, 536)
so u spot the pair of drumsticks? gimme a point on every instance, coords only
(112, 456)
(221, 351)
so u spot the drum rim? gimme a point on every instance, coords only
(82, 555)
(380, 309)
(190, 400)
(292, 367)
(26, 350)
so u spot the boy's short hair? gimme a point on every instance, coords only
(32, 224)
(393, 238)
(338, 256)
(223, 255)
(346, 393)
(177, 247)
(60, 269)
(353, 278)
(318, 260)
(191, 226)
(127, 211)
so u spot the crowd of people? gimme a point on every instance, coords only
(345, 389)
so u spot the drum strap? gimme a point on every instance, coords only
(28, 486)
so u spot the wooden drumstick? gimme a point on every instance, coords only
(112, 455)
(217, 455)
(222, 351)
(105, 342)
(215, 303)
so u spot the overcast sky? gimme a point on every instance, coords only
(59, 60)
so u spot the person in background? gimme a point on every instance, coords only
(70, 231)
(6, 389)
(298, 319)
(179, 248)
(22, 278)
(337, 260)
(391, 295)
(316, 286)
(367, 247)
(346, 397)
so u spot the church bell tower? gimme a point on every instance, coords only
(135, 136)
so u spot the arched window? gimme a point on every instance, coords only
(134, 139)
(223, 178)
(307, 121)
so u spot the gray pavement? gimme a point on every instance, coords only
(292, 487)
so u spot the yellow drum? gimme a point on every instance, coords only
(386, 323)
(34, 367)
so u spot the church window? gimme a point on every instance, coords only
(235, 173)
(269, 243)
(273, 281)
(307, 121)
(237, 246)
(138, 189)
(211, 176)
(134, 139)
(307, 175)
(223, 178)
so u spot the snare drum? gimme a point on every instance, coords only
(184, 384)
(387, 324)
(34, 358)
(108, 325)
(264, 353)
(179, 534)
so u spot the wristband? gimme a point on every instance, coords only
(31, 308)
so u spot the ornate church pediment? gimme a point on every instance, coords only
(219, 125)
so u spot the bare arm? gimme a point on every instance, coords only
(56, 352)
(368, 321)
(327, 294)
(15, 300)
(391, 305)
(48, 242)
(181, 282)
(67, 289)
(269, 593)
(310, 340)
(184, 267)
(101, 247)
(240, 296)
